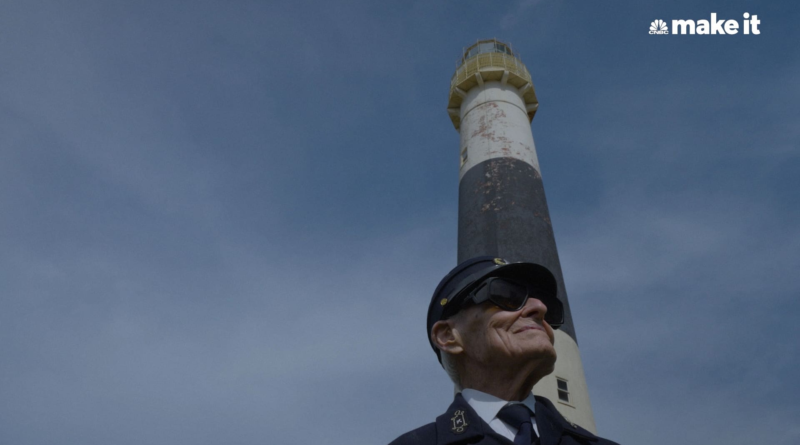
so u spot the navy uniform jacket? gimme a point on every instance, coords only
(461, 425)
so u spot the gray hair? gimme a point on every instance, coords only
(449, 365)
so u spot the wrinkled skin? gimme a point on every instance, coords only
(499, 352)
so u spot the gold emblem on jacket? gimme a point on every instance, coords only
(459, 422)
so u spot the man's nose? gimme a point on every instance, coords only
(534, 308)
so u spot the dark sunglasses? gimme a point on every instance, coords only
(509, 295)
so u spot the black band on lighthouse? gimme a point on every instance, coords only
(502, 212)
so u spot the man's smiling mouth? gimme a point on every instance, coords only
(529, 328)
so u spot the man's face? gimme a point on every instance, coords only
(496, 337)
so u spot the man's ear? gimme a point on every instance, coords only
(446, 337)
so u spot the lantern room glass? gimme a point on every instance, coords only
(488, 47)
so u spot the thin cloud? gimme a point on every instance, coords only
(511, 18)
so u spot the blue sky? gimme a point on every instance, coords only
(222, 221)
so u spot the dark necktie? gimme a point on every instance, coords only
(519, 416)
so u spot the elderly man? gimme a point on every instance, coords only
(491, 324)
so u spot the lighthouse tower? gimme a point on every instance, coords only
(502, 210)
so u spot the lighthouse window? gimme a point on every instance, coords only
(563, 391)
(463, 156)
(487, 47)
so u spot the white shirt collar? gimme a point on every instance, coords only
(487, 406)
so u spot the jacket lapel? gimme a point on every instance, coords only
(552, 425)
(459, 423)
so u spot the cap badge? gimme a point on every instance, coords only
(459, 422)
(443, 302)
(499, 261)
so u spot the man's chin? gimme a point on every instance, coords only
(544, 356)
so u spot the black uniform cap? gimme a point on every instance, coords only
(469, 274)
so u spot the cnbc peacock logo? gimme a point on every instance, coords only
(658, 27)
